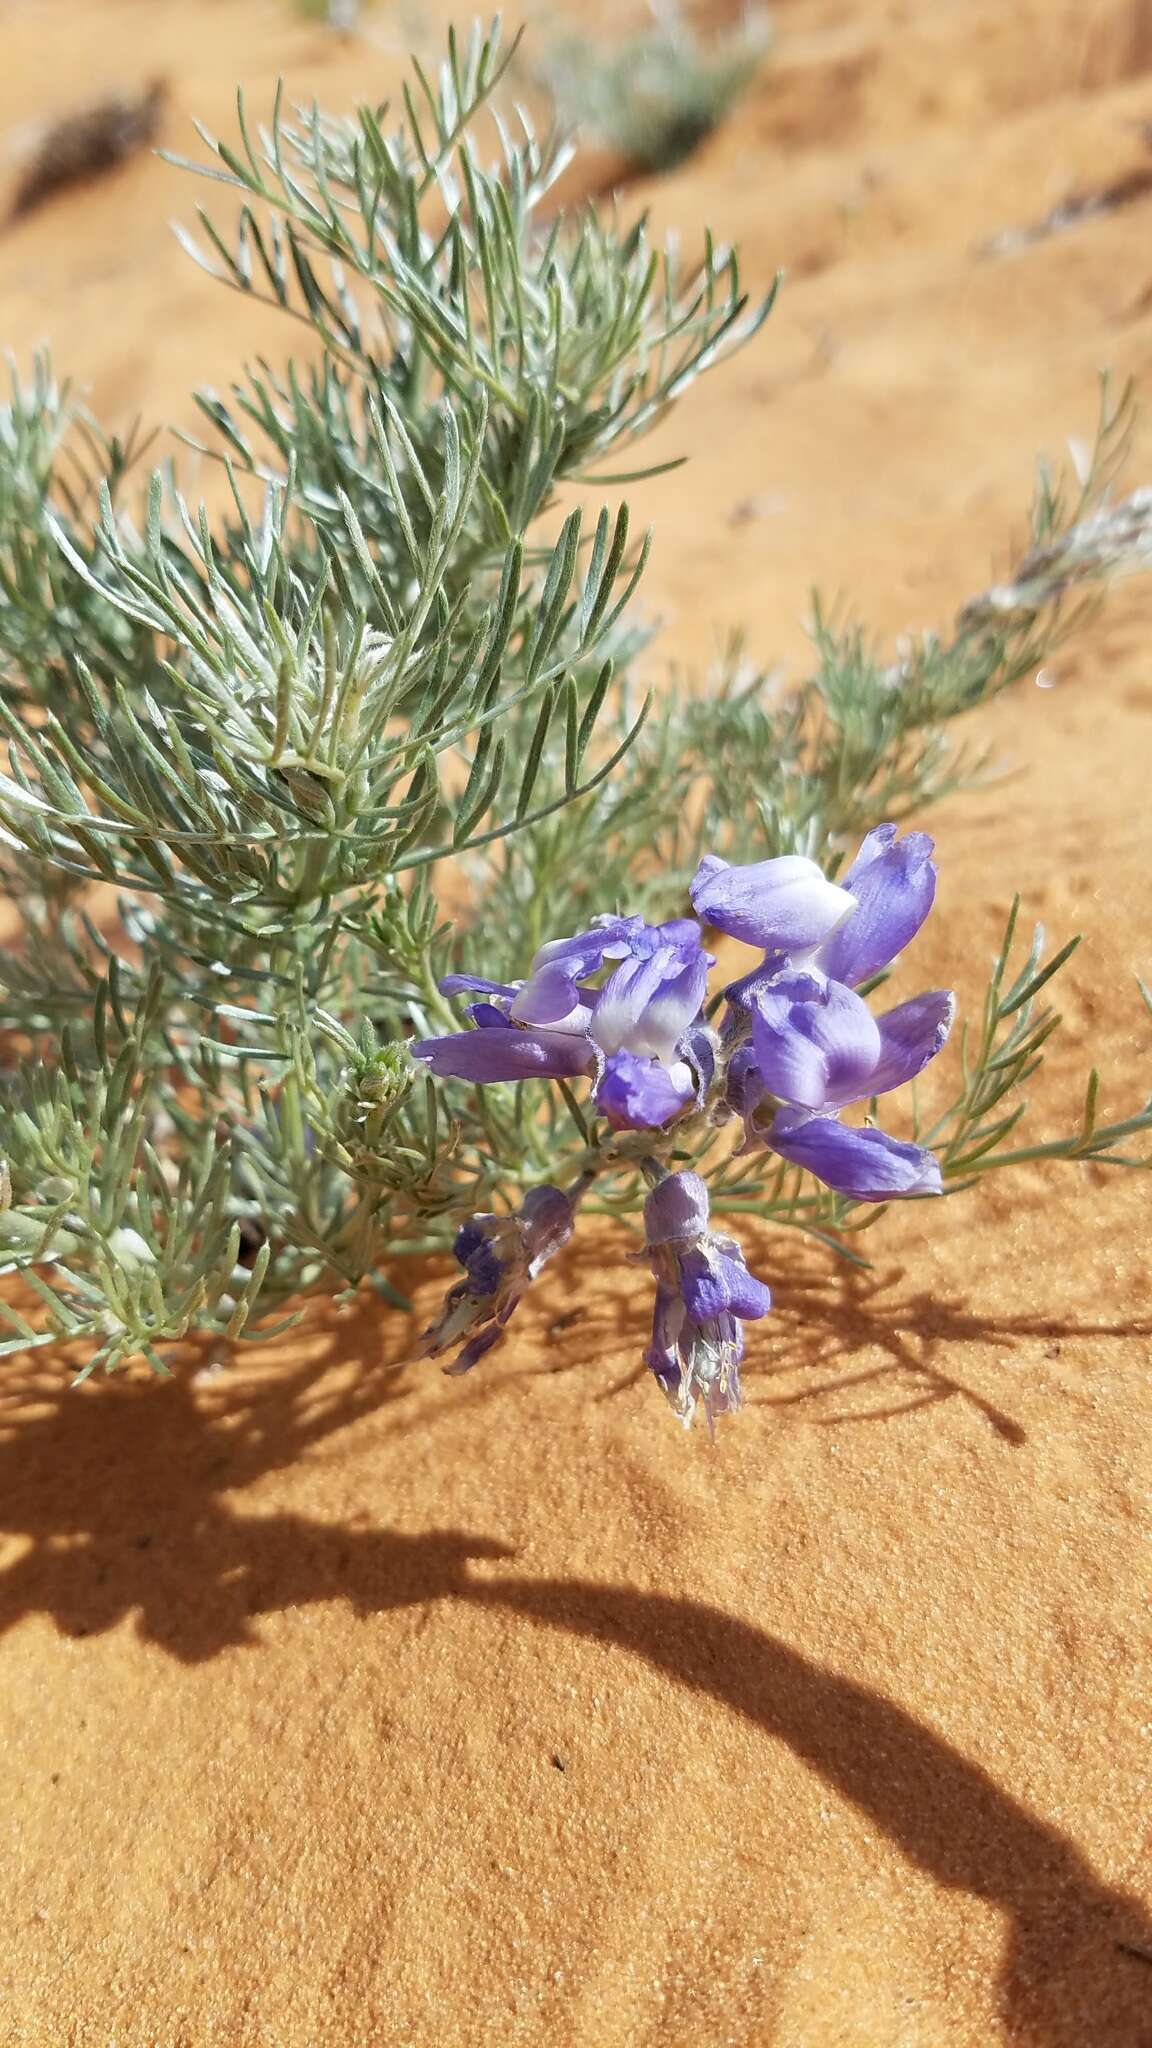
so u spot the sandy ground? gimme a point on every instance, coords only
(341, 1706)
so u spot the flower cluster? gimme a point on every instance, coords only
(804, 1044)
(795, 1044)
(639, 1033)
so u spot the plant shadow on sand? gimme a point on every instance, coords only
(907, 1344)
(123, 1493)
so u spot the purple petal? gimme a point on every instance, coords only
(738, 994)
(676, 1209)
(816, 1045)
(625, 997)
(553, 997)
(502, 1053)
(485, 1269)
(460, 984)
(743, 1088)
(547, 1217)
(586, 952)
(786, 903)
(866, 1164)
(639, 1094)
(646, 1006)
(675, 1006)
(477, 1231)
(705, 1295)
(473, 1351)
(488, 1016)
(662, 1356)
(716, 1283)
(699, 1049)
(747, 1296)
(894, 883)
(874, 846)
(683, 932)
(910, 1036)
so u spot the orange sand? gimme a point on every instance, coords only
(343, 1707)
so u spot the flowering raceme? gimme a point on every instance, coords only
(814, 1046)
(624, 1004)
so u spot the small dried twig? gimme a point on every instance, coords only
(87, 143)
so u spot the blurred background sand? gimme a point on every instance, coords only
(345, 1706)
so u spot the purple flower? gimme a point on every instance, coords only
(500, 1255)
(817, 1045)
(704, 1293)
(807, 1043)
(816, 1048)
(789, 908)
(631, 1032)
(502, 1052)
(622, 1003)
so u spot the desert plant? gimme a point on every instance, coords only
(657, 95)
(369, 739)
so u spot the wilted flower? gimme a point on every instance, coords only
(704, 1293)
(633, 1032)
(501, 1256)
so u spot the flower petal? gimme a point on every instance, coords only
(676, 1210)
(749, 1297)
(552, 996)
(743, 1087)
(460, 984)
(624, 998)
(547, 1218)
(663, 1355)
(786, 903)
(816, 1042)
(738, 995)
(717, 1282)
(484, 1266)
(863, 1163)
(698, 1048)
(488, 1016)
(503, 1053)
(910, 1036)
(674, 1007)
(586, 952)
(473, 1351)
(894, 883)
(647, 1005)
(639, 1094)
(682, 932)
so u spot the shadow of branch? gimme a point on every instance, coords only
(821, 1320)
(126, 1494)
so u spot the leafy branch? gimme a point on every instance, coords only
(377, 722)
